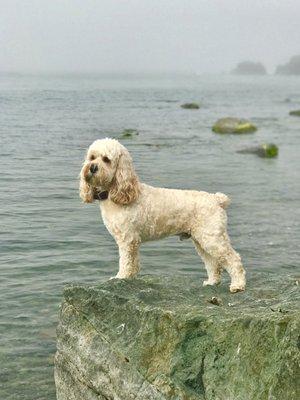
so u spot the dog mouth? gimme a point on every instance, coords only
(99, 193)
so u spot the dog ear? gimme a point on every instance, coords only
(85, 190)
(125, 187)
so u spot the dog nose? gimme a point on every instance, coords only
(93, 168)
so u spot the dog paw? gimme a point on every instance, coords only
(211, 283)
(236, 289)
(118, 276)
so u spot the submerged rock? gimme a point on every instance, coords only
(233, 125)
(159, 338)
(296, 113)
(250, 68)
(190, 106)
(265, 150)
(129, 133)
(291, 68)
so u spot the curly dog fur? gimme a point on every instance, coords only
(134, 212)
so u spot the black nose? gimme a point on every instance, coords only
(93, 168)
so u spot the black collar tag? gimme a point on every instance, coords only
(101, 195)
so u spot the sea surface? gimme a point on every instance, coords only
(48, 238)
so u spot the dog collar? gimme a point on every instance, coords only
(101, 195)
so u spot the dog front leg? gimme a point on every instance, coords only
(129, 264)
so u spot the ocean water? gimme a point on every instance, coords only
(48, 238)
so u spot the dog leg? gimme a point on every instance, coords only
(129, 264)
(234, 267)
(218, 247)
(231, 261)
(212, 267)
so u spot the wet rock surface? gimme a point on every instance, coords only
(165, 338)
(233, 125)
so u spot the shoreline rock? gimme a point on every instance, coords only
(233, 125)
(164, 338)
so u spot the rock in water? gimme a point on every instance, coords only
(250, 68)
(158, 338)
(265, 150)
(295, 113)
(190, 106)
(290, 68)
(129, 133)
(233, 125)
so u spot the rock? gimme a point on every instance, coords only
(250, 68)
(265, 150)
(216, 301)
(190, 106)
(129, 133)
(295, 113)
(233, 125)
(158, 338)
(291, 68)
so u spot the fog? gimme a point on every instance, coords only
(202, 36)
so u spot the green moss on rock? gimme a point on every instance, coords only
(268, 150)
(160, 338)
(295, 113)
(190, 106)
(233, 125)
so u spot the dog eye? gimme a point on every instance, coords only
(92, 157)
(106, 159)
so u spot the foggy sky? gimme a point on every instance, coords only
(146, 35)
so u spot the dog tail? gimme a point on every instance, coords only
(222, 199)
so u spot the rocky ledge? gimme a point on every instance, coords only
(164, 338)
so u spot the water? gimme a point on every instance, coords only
(48, 238)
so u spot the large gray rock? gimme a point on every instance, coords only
(170, 338)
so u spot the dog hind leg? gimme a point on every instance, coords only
(211, 265)
(217, 246)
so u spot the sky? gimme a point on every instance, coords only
(198, 36)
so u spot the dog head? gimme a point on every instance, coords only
(108, 167)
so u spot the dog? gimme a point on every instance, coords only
(134, 212)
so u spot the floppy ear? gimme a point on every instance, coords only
(85, 190)
(125, 187)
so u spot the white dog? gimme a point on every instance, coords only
(134, 212)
